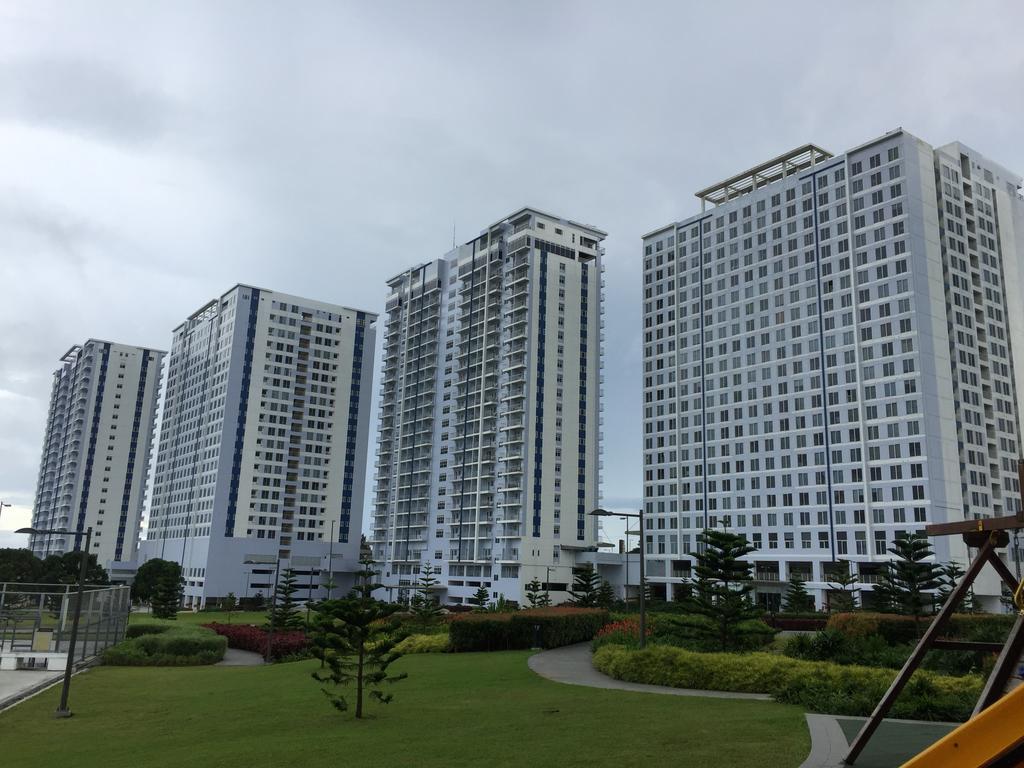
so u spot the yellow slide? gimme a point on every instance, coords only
(994, 737)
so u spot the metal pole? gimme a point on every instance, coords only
(273, 605)
(643, 585)
(62, 710)
(330, 563)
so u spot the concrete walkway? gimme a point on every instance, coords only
(572, 665)
(236, 658)
(17, 685)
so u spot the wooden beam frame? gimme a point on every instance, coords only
(926, 642)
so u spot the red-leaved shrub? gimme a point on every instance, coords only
(246, 637)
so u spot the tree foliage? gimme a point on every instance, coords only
(147, 576)
(909, 579)
(64, 569)
(536, 596)
(424, 604)
(20, 566)
(722, 584)
(283, 615)
(797, 599)
(480, 599)
(229, 604)
(605, 595)
(585, 586)
(165, 598)
(844, 583)
(356, 644)
(950, 576)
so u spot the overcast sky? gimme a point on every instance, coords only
(154, 154)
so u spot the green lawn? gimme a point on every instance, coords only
(208, 617)
(453, 710)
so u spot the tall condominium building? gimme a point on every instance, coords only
(262, 446)
(489, 443)
(829, 362)
(99, 433)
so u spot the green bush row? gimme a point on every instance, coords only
(545, 627)
(423, 644)
(874, 651)
(895, 629)
(818, 686)
(158, 645)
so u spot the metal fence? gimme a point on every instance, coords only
(36, 619)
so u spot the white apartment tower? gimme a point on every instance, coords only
(262, 445)
(99, 432)
(829, 361)
(489, 442)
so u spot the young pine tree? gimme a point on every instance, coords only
(534, 593)
(605, 595)
(797, 599)
(355, 644)
(283, 615)
(950, 577)
(424, 605)
(843, 583)
(909, 579)
(722, 584)
(480, 599)
(165, 599)
(585, 586)
(230, 605)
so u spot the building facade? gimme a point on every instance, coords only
(829, 360)
(489, 437)
(262, 445)
(96, 451)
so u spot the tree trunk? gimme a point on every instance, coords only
(359, 682)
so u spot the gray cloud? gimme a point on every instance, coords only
(81, 96)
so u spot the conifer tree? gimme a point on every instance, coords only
(480, 599)
(355, 646)
(165, 598)
(722, 584)
(535, 596)
(282, 614)
(605, 595)
(909, 578)
(585, 586)
(424, 604)
(843, 581)
(797, 599)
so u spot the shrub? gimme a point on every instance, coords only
(697, 633)
(156, 645)
(291, 644)
(819, 686)
(423, 644)
(623, 632)
(140, 628)
(553, 628)
(874, 651)
(798, 622)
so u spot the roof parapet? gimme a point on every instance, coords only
(761, 175)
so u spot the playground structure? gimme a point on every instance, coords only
(36, 622)
(994, 735)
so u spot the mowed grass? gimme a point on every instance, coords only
(259, 618)
(453, 710)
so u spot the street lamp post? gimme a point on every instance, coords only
(643, 584)
(62, 709)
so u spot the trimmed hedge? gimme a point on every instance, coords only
(423, 644)
(798, 622)
(551, 627)
(291, 644)
(159, 645)
(897, 629)
(140, 628)
(818, 686)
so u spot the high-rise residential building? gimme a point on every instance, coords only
(95, 462)
(489, 443)
(828, 360)
(262, 445)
